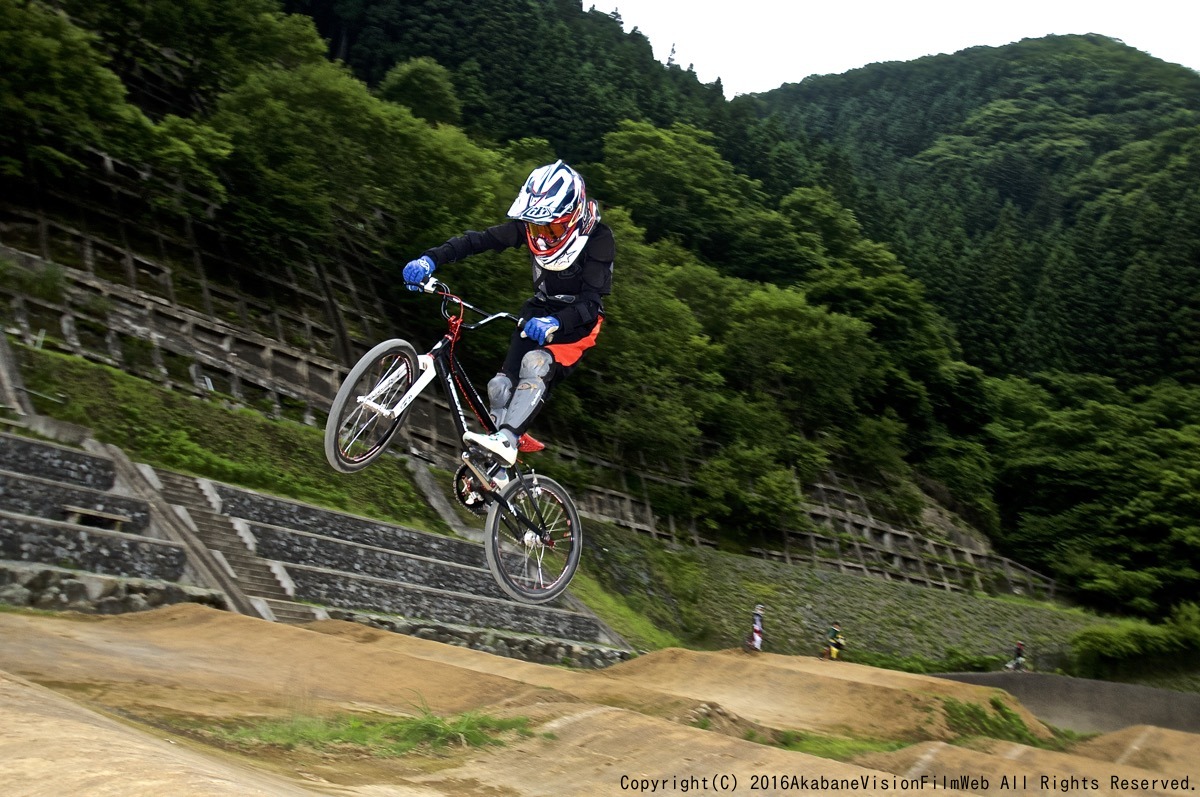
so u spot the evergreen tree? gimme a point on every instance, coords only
(1060, 314)
(989, 322)
(426, 87)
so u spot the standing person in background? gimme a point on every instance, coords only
(572, 255)
(1018, 660)
(756, 628)
(833, 641)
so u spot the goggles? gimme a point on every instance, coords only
(545, 236)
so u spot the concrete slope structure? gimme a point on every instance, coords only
(189, 326)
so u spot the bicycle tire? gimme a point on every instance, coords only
(531, 569)
(355, 436)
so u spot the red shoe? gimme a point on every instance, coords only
(527, 444)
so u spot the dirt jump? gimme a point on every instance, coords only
(125, 706)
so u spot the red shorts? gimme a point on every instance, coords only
(567, 354)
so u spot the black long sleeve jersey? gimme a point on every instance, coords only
(574, 295)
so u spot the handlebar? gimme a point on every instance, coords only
(432, 285)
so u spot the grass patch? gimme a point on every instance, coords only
(835, 747)
(633, 626)
(167, 429)
(1178, 682)
(47, 282)
(9, 608)
(968, 720)
(1038, 603)
(347, 733)
(953, 661)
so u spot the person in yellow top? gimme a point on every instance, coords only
(834, 641)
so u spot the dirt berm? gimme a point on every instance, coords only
(124, 705)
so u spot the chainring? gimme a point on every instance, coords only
(467, 491)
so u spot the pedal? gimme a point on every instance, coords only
(499, 476)
(469, 457)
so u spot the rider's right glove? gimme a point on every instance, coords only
(417, 271)
(540, 329)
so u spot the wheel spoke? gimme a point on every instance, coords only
(357, 432)
(365, 429)
(534, 540)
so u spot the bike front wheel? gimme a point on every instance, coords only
(533, 539)
(357, 432)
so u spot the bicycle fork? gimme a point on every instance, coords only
(428, 372)
(542, 534)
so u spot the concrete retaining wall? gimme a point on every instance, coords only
(525, 648)
(265, 509)
(55, 462)
(28, 495)
(56, 588)
(296, 547)
(114, 553)
(338, 589)
(1088, 706)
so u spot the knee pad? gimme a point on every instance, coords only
(527, 398)
(536, 365)
(500, 390)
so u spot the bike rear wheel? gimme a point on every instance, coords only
(355, 434)
(533, 539)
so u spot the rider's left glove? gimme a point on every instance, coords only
(417, 271)
(540, 329)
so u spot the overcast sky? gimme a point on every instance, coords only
(756, 45)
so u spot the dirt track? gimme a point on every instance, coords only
(92, 706)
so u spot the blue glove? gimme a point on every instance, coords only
(540, 329)
(417, 271)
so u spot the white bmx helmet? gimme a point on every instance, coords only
(558, 215)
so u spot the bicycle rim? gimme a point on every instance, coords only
(534, 539)
(354, 434)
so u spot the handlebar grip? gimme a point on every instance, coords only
(521, 322)
(549, 336)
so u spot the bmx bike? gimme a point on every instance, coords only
(532, 534)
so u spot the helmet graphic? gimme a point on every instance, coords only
(558, 215)
(759, 609)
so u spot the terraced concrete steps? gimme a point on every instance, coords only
(218, 532)
(270, 557)
(291, 554)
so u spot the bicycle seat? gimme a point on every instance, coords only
(527, 444)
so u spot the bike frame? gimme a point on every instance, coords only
(440, 363)
(515, 494)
